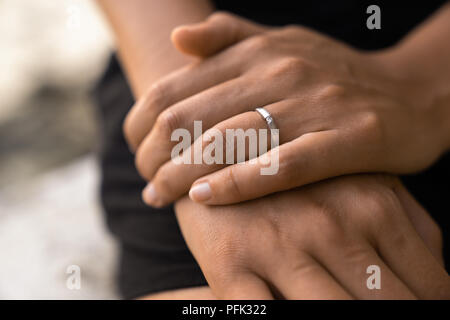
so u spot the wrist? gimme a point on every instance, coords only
(427, 94)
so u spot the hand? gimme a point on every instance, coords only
(316, 242)
(339, 111)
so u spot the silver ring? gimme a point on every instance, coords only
(274, 134)
(267, 116)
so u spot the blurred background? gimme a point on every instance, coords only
(51, 54)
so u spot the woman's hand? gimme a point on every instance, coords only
(339, 111)
(317, 242)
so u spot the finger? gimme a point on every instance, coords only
(246, 287)
(175, 177)
(197, 78)
(351, 265)
(219, 31)
(312, 157)
(239, 138)
(308, 280)
(210, 107)
(407, 255)
(173, 88)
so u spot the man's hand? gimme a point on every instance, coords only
(339, 111)
(316, 242)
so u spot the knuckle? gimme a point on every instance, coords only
(289, 65)
(286, 32)
(226, 20)
(294, 31)
(382, 207)
(332, 92)
(324, 223)
(257, 43)
(291, 30)
(221, 16)
(210, 135)
(155, 97)
(167, 122)
(153, 101)
(328, 228)
(372, 125)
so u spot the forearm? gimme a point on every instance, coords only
(142, 29)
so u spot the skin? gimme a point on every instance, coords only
(316, 242)
(204, 220)
(333, 104)
(146, 61)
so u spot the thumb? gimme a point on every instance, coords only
(218, 32)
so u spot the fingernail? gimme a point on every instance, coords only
(149, 194)
(200, 192)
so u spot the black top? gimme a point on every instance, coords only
(154, 256)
